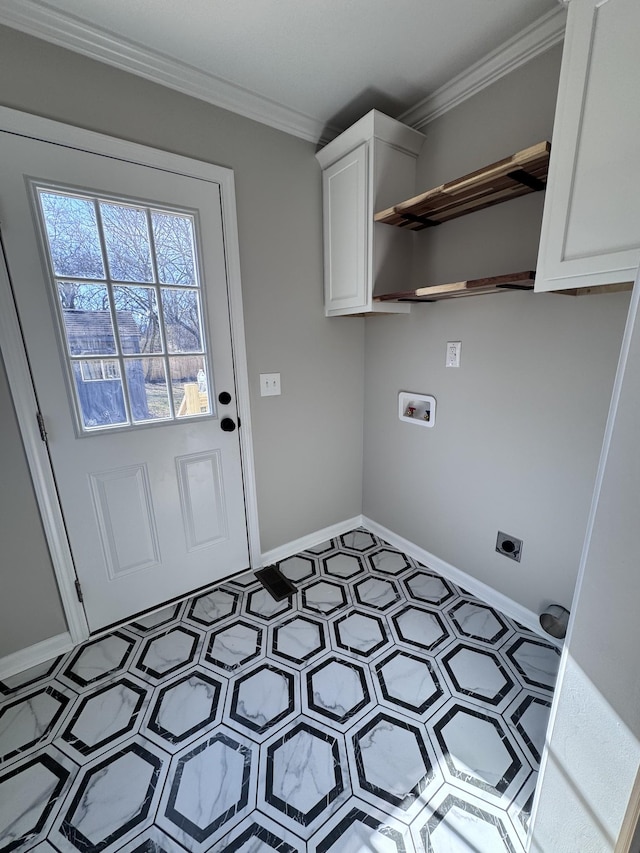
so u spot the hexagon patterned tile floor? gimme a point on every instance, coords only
(380, 709)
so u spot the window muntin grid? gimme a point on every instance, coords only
(129, 300)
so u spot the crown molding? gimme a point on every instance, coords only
(534, 40)
(42, 21)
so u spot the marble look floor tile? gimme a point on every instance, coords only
(259, 834)
(298, 640)
(325, 597)
(382, 708)
(211, 787)
(389, 562)
(338, 691)
(298, 569)
(360, 633)
(303, 776)
(395, 763)
(454, 823)
(111, 801)
(104, 717)
(31, 794)
(183, 708)
(31, 720)
(262, 699)
(478, 621)
(479, 752)
(98, 660)
(429, 588)
(235, 646)
(535, 661)
(358, 827)
(411, 683)
(29, 677)
(213, 607)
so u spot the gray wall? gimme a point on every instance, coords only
(30, 608)
(308, 442)
(520, 424)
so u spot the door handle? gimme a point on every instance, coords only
(227, 425)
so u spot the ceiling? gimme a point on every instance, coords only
(310, 67)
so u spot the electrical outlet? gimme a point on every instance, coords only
(453, 354)
(269, 384)
(509, 546)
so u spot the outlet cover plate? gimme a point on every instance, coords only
(508, 545)
(453, 354)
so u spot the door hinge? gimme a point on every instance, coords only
(41, 427)
(79, 592)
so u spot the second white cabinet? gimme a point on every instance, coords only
(591, 223)
(367, 167)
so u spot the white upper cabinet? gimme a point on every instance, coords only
(591, 223)
(366, 168)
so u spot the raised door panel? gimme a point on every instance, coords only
(590, 232)
(346, 222)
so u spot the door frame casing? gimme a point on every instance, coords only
(17, 364)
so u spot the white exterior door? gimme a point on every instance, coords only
(120, 281)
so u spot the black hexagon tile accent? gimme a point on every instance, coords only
(376, 593)
(30, 720)
(358, 540)
(153, 621)
(263, 605)
(213, 607)
(419, 627)
(389, 562)
(185, 707)
(478, 621)
(298, 640)
(409, 681)
(354, 830)
(360, 633)
(477, 749)
(324, 597)
(209, 785)
(258, 834)
(105, 715)
(99, 659)
(458, 824)
(168, 652)
(536, 661)
(478, 673)
(392, 760)
(337, 689)
(298, 569)
(303, 773)
(343, 566)
(30, 793)
(27, 678)
(234, 646)
(113, 797)
(531, 719)
(427, 587)
(262, 698)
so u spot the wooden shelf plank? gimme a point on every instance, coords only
(457, 289)
(524, 172)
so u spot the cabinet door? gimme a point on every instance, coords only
(346, 231)
(591, 224)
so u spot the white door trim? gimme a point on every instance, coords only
(17, 366)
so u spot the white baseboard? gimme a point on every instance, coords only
(34, 655)
(310, 541)
(478, 588)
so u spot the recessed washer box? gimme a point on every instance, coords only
(414, 408)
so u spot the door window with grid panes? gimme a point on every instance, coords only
(128, 295)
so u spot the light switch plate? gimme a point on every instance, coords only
(269, 384)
